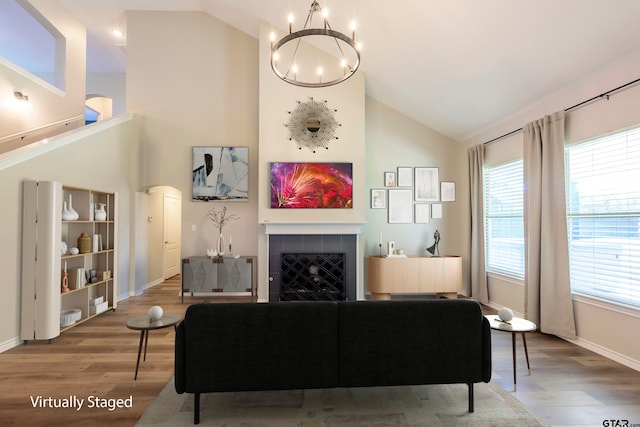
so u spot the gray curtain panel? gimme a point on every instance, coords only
(547, 287)
(479, 289)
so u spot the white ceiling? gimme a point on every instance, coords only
(457, 66)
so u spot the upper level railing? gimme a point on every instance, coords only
(36, 142)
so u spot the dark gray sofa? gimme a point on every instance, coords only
(229, 347)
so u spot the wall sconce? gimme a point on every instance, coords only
(20, 96)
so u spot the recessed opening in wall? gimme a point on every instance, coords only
(30, 43)
(97, 108)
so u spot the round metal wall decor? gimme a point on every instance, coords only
(312, 125)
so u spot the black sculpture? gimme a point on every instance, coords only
(433, 249)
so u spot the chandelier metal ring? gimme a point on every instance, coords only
(349, 63)
(315, 32)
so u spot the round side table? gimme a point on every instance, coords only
(515, 326)
(144, 325)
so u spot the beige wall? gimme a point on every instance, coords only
(99, 160)
(47, 104)
(109, 85)
(598, 324)
(193, 81)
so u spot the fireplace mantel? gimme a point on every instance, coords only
(313, 227)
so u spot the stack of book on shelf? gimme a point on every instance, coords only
(97, 305)
(77, 278)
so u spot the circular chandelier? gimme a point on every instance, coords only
(338, 62)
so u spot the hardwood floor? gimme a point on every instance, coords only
(568, 385)
(96, 358)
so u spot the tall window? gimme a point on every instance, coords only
(503, 213)
(603, 210)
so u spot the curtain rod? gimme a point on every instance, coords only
(597, 97)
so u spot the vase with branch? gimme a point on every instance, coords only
(220, 219)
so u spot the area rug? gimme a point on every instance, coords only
(425, 405)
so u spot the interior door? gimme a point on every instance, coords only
(172, 234)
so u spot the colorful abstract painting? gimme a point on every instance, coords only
(311, 185)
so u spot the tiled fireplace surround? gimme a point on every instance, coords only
(315, 238)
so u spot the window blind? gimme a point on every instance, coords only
(603, 217)
(504, 229)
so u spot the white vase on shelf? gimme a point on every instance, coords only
(67, 215)
(72, 211)
(100, 213)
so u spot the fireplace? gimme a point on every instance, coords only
(312, 277)
(312, 267)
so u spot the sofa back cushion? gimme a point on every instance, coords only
(411, 342)
(249, 346)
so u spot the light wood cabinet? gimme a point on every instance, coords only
(44, 263)
(418, 274)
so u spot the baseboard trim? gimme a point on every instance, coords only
(8, 345)
(152, 284)
(609, 354)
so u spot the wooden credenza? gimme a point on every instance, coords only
(414, 274)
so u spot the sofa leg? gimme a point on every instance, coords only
(196, 408)
(470, 397)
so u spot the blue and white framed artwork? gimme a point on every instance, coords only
(220, 174)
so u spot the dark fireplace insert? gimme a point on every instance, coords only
(312, 277)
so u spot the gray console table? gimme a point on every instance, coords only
(224, 276)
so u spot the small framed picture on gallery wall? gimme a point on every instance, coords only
(421, 215)
(400, 207)
(436, 211)
(389, 179)
(447, 191)
(378, 198)
(427, 185)
(405, 176)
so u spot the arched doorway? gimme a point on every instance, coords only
(97, 107)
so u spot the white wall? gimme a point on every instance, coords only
(193, 81)
(598, 325)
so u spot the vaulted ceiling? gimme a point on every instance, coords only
(457, 66)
